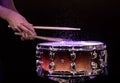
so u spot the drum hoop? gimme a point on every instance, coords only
(84, 73)
(72, 48)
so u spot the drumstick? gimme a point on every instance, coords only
(45, 38)
(56, 28)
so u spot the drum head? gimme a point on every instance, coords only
(76, 45)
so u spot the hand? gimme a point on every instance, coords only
(18, 23)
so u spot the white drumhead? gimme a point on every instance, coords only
(74, 45)
(71, 43)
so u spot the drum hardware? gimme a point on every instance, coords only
(62, 61)
(51, 55)
(73, 55)
(102, 53)
(105, 70)
(52, 48)
(52, 66)
(105, 53)
(94, 65)
(38, 47)
(60, 80)
(37, 56)
(39, 67)
(71, 61)
(73, 67)
(39, 70)
(103, 58)
(94, 55)
(38, 62)
(72, 49)
(42, 72)
(102, 63)
(96, 72)
(38, 53)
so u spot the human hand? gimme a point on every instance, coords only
(18, 23)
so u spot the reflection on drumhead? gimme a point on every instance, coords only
(71, 43)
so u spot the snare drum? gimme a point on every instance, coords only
(71, 58)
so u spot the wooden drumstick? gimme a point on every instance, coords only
(44, 38)
(55, 28)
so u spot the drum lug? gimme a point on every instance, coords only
(38, 54)
(94, 55)
(94, 65)
(38, 62)
(73, 56)
(96, 71)
(73, 66)
(52, 66)
(51, 55)
(103, 58)
(41, 72)
(104, 54)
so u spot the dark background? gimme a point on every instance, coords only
(98, 20)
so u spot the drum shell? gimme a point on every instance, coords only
(63, 61)
(88, 59)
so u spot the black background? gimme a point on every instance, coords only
(98, 20)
